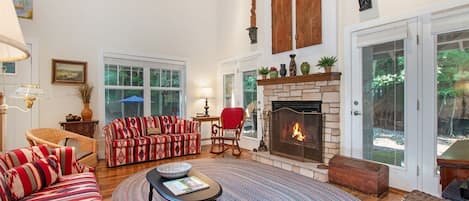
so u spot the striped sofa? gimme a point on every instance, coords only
(138, 139)
(39, 173)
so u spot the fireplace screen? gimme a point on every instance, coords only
(296, 134)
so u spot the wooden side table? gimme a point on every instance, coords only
(85, 128)
(210, 119)
(454, 163)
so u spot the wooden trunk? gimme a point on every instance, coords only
(361, 175)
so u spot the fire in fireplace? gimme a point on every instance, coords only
(297, 130)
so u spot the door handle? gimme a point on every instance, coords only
(357, 113)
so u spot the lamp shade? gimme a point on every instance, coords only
(206, 92)
(12, 46)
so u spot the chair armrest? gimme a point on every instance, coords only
(215, 130)
(107, 130)
(86, 143)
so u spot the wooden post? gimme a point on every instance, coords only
(2, 120)
(253, 13)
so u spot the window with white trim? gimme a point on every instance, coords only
(141, 87)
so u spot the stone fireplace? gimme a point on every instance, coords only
(323, 88)
(296, 130)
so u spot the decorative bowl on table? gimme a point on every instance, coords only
(174, 170)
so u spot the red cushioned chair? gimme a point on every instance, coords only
(232, 120)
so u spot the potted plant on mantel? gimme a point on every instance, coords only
(263, 71)
(327, 63)
(85, 94)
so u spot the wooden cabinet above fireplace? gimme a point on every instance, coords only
(308, 24)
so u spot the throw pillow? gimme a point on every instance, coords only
(21, 156)
(153, 131)
(4, 190)
(127, 132)
(31, 177)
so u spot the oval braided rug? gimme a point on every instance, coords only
(242, 180)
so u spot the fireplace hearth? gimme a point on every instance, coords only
(297, 130)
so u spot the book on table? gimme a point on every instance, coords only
(185, 185)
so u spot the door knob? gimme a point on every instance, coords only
(357, 113)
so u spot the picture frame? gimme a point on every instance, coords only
(24, 8)
(68, 72)
(365, 5)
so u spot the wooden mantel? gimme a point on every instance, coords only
(301, 78)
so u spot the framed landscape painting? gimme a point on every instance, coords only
(68, 72)
(24, 8)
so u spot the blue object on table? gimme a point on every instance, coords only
(452, 192)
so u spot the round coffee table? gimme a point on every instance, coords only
(156, 182)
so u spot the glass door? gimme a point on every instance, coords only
(384, 116)
(447, 111)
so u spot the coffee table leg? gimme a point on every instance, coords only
(150, 194)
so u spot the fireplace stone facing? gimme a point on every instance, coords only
(328, 92)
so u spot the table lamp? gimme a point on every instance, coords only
(12, 48)
(206, 93)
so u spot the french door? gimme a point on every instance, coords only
(384, 99)
(409, 94)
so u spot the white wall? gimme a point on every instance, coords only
(233, 40)
(80, 30)
(349, 15)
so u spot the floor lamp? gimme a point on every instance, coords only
(12, 48)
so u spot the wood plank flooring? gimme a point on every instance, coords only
(110, 178)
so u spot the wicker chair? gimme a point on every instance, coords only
(51, 137)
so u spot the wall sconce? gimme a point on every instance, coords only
(252, 34)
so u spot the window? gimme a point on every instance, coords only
(228, 82)
(249, 103)
(140, 87)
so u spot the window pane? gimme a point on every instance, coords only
(228, 81)
(116, 106)
(155, 75)
(124, 75)
(166, 78)
(110, 75)
(383, 103)
(176, 79)
(165, 102)
(250, 99)
(452, 89)
(137, 76)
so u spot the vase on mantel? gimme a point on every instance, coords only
(292, 67)
(86, 112)
(283, 70)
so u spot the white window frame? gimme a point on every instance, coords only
(147, 62)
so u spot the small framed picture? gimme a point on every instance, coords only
(68, 72)
(365, 4)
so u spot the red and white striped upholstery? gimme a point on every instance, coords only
(178, 137)
(37, 173)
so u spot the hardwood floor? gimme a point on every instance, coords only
(110, 178)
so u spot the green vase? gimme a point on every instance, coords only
(273, 74)
(305, 68)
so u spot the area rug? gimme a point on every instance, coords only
(242, 180)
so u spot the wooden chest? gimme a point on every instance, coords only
(361, 175)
